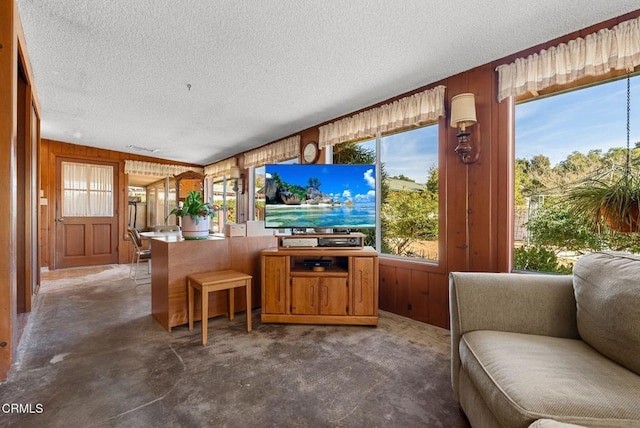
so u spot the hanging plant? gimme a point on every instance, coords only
(613, 202)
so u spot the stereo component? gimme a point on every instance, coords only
(351, 241)
(298, 242)
(311, 263)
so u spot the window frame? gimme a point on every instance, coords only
(551, 91)
(431, 263)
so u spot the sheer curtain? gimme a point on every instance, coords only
(214, 188)
(87, 190)
(159, 169)
(273, 153)
(416, 109)
(596, 54)
(220, 168)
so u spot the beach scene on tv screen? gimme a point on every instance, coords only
(320, 196)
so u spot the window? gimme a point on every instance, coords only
(161, 199)
(224, 197)
(259, 181)
(259, 195)
(408, 212)
(561, 140)
(87, 190)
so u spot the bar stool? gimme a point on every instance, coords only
(138, 254)
(207, 282)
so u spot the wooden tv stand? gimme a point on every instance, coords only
(344, 292)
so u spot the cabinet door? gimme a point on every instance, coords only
(274, 284)
(364, 285)
(334, 296)
(305, 293)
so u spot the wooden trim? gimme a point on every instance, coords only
(580, 83)
(8, 131)
(35, 195)
(504, 114)
(118, 194)
(482, 177)
(320, 319)
(26, 64)
(424, 266)
(456, 182)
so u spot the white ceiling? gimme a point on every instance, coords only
(201, 80)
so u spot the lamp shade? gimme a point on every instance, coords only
(463, 110)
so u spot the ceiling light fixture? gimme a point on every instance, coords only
(142, 149)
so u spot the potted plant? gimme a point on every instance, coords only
(195, 215)
(615, 203)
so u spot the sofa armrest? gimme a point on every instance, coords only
(519, 303)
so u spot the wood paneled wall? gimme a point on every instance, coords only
(49, 151)
(471, 197)
(8, 119)
(19, 127)
(476, 208)
(476, 200)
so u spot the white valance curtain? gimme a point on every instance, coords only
(275, 152)
(220, 168)
(596, 54)
(157, 169)
(415, 109)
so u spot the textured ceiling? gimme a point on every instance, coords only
(201, 80)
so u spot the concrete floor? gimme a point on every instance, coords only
(93, 356)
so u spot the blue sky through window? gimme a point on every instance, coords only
(339, 181)
(580, 120)
(410, 153)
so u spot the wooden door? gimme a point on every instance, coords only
(364, 287)
(304, 295)
(86, 222)
(274, 283)
(334, 296)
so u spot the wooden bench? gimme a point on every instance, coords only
(207, 282)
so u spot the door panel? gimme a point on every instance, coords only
(304, 296)
(363, 286)
(334, 295)
(86, 240)
(74, 237)
(274, 283)
(101, 242)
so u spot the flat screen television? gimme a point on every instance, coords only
(320, 196)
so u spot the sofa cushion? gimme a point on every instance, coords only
(607, 290)
(525, 377)
(550, 423)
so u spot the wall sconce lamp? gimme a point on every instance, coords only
(236, 174)
(463, 115)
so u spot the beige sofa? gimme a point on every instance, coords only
(549, 350)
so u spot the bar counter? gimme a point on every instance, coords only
(173, 258)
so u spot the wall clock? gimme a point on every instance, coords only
(310, 152)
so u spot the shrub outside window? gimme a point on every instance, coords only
(563, 141)
(408, 213)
